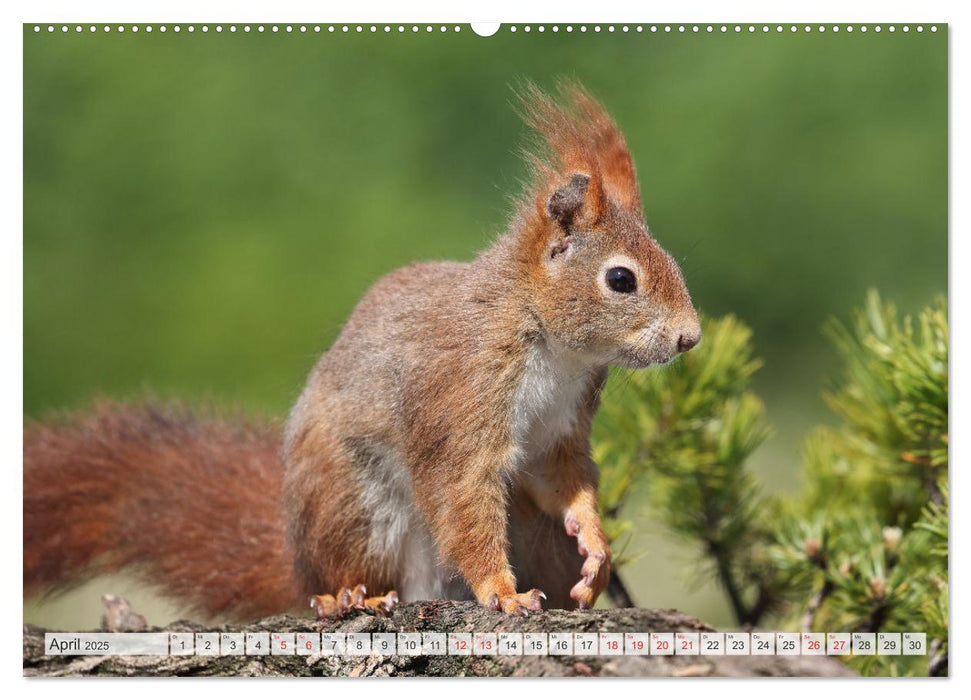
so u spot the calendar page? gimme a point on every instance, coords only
(545, 348)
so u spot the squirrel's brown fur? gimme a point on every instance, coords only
(440, 446)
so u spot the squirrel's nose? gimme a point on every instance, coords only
(688, 339)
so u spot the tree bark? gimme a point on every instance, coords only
(437, 616)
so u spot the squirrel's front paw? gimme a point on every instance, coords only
(596, 567)
(518, 603)
(596, 574)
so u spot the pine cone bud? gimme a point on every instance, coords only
(878, 588)
(891, 539)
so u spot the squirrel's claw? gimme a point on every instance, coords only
(382, 605)
(519, 603)
(358, 596)
(326, 606)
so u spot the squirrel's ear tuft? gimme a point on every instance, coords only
(566, 202)
(575, 135)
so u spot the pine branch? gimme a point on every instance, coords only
(727, 581)
(617, 591)
(937, 659)
(815, 603)
(864, 546)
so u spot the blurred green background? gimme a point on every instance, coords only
(202, 211)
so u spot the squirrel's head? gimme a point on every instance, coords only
(599, 282)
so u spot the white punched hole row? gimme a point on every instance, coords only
(484, 30)
(723, 28)
(248, 28)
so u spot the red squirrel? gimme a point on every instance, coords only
(440, 447)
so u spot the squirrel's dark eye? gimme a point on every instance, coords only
(622, 280)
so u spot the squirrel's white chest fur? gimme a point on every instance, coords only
(547, 400)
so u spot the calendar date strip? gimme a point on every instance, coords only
(485, 644)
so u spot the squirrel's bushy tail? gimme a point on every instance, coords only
(190, 503)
